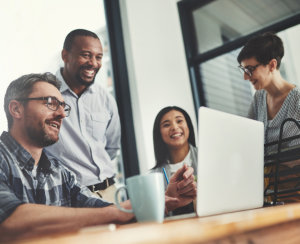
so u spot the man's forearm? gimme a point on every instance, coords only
(33, 219)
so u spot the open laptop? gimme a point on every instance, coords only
(230, 174)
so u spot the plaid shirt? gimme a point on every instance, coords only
(53, 185)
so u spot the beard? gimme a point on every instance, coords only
(40, 137)
(82, 81)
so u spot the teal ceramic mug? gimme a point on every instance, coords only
(147, 197)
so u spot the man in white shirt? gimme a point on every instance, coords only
(90, 136)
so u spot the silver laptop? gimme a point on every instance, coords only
(230, 163)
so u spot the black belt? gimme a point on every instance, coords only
(103, 185)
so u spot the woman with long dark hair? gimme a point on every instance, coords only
(174, 144)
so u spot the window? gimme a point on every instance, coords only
(215, 31)
(223, 84)
(223, 21)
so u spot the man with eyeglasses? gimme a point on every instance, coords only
(275, 99)
(29, 179)
(90, 136)
(37, 194)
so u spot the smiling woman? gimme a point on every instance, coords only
(174, 145)
(275, 98)
(274, 101)
(174, 131)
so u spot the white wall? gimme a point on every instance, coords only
(32, 35)
(157, 67)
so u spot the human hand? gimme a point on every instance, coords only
(182, 187)
(170, 203)
(122, 216)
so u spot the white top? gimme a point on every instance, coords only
(187, 160)
(190, 159)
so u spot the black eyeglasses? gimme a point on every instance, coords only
(248, 70)
(52, 103)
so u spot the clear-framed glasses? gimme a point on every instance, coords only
(248, 70)
(52, 103)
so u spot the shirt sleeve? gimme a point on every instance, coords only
(113, 130)
(8, 200)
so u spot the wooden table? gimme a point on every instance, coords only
(280, 224)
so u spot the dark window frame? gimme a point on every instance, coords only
(121, 85)
(186, 8)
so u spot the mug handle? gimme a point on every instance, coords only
(118, 203)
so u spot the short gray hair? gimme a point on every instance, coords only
(22, 87)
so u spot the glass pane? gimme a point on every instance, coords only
(224, 87)
(225, 20)
(104, 76)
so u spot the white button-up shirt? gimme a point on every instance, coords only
(90, 137)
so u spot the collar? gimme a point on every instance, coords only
(24, 158)
(65, 87)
